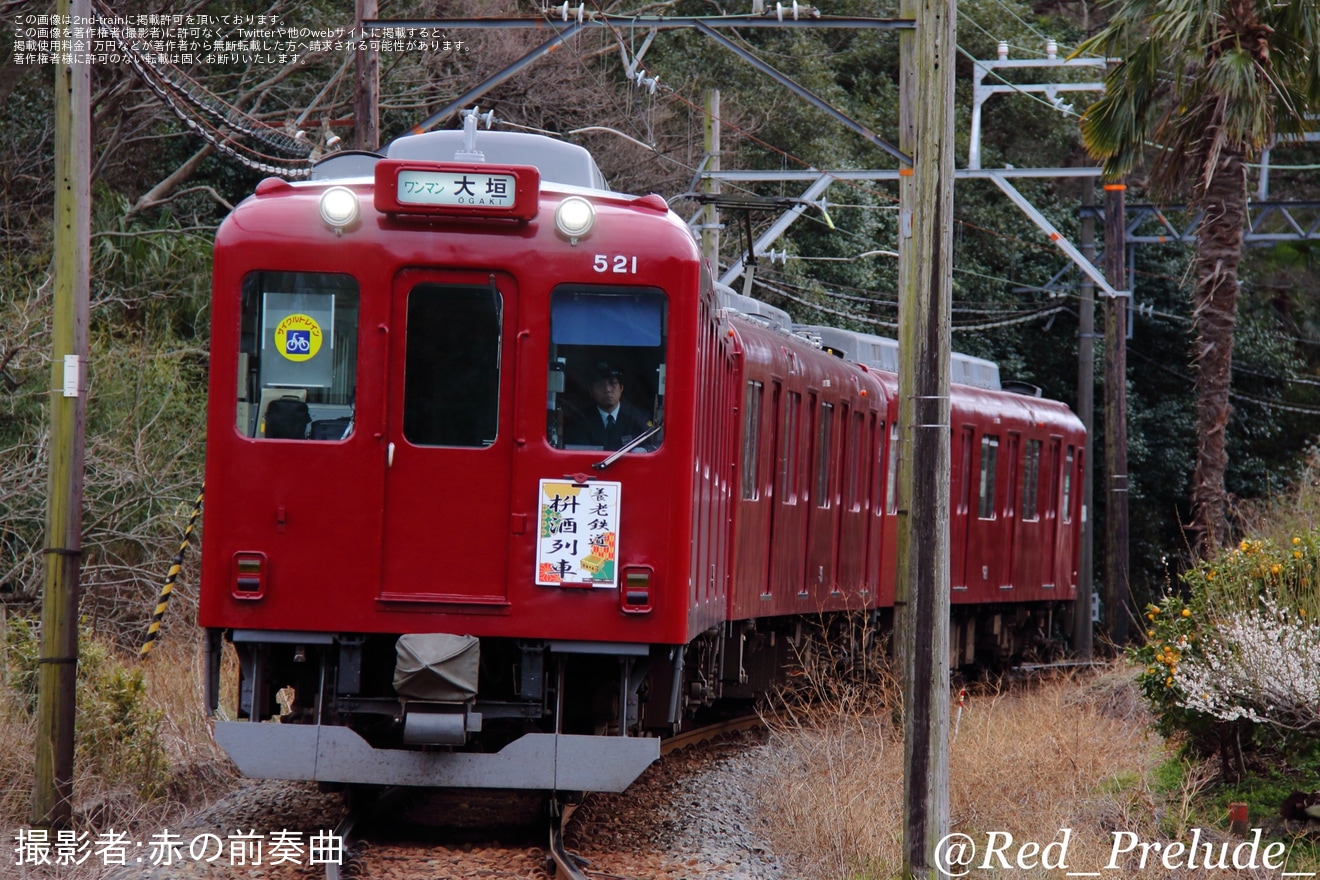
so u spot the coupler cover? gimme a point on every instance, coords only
(437, 667)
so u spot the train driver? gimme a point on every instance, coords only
(613, 422)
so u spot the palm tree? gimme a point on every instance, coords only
(1210, 83)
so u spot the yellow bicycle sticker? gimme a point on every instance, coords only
(298, 337)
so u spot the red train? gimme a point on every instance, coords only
(432, 563)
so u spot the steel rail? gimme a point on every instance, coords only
(565, 863)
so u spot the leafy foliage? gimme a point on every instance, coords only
(116, 739)
(1242, 650)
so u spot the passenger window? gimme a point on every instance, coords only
(891, 489)
(788, 459)
(989, 463)
(879, 470)
(297, 360)
(751, 457)
(1031, 481)
(606, 376)
(857, 459)
(824, 454)
(451, 372)
(1067, 485)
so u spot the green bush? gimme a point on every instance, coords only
(1242, 651)
(116, 734)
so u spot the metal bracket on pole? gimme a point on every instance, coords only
(981, 92)
(1057, 237)
(777, 228)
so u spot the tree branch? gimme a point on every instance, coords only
(157, 194)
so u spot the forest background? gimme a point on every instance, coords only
(161, 187)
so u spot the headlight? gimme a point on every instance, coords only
(339, 206)
(574, 217)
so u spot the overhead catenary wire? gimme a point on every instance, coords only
(1235, 395)
(866, 319)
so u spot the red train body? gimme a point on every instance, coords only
(428, 582)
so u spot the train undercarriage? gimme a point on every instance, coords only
(548, 715)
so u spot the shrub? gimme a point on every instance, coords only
(116, 737)
(1243, 650)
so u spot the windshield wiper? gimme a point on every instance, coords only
(627, 447)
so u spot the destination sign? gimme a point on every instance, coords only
(456, 189)
(470, 190)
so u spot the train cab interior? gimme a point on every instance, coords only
(594, 328)
(297, 364)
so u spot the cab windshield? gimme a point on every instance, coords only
(607, 366)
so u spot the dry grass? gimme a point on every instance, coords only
(194, 769)
(1028, 760)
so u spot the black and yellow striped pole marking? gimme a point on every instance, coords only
(159, 614)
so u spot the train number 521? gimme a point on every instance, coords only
(619, 264)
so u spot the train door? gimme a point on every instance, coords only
(775, 439)
(448, 438)
(753, 524)
(849, 563)
(822, 514)
(1049, 577)
(1010, 521)
(875, 506)
(985, 543)
(1065, 532)
(1032, 523)
(812, 571)
(788, 528)
(960, 528)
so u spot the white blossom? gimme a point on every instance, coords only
(1262, 665)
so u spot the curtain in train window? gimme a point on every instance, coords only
(297, 361)
(824, 454)
(891, 490)
(451, 373)
(751, 457)
(879, 470)
(1067, 485)
(857, 460)
(989, 463)
(788, 463)
(1031, 481)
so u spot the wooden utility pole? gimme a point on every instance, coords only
(366, 99)
(1082, 630)
(52, 799)
(1116, 488)
(925, 245)
(710, 221)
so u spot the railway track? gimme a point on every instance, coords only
(426, 855)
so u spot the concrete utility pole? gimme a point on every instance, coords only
(710, 221)
(1116, 497)
(1082, 629)
(927, 55)
(52, 799)
(366, 100)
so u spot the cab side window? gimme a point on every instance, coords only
(297, 361)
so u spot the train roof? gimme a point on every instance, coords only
(745, 305)
(876, 352)
(559, 162)
(881, 353)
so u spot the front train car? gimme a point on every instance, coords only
(428, 560)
